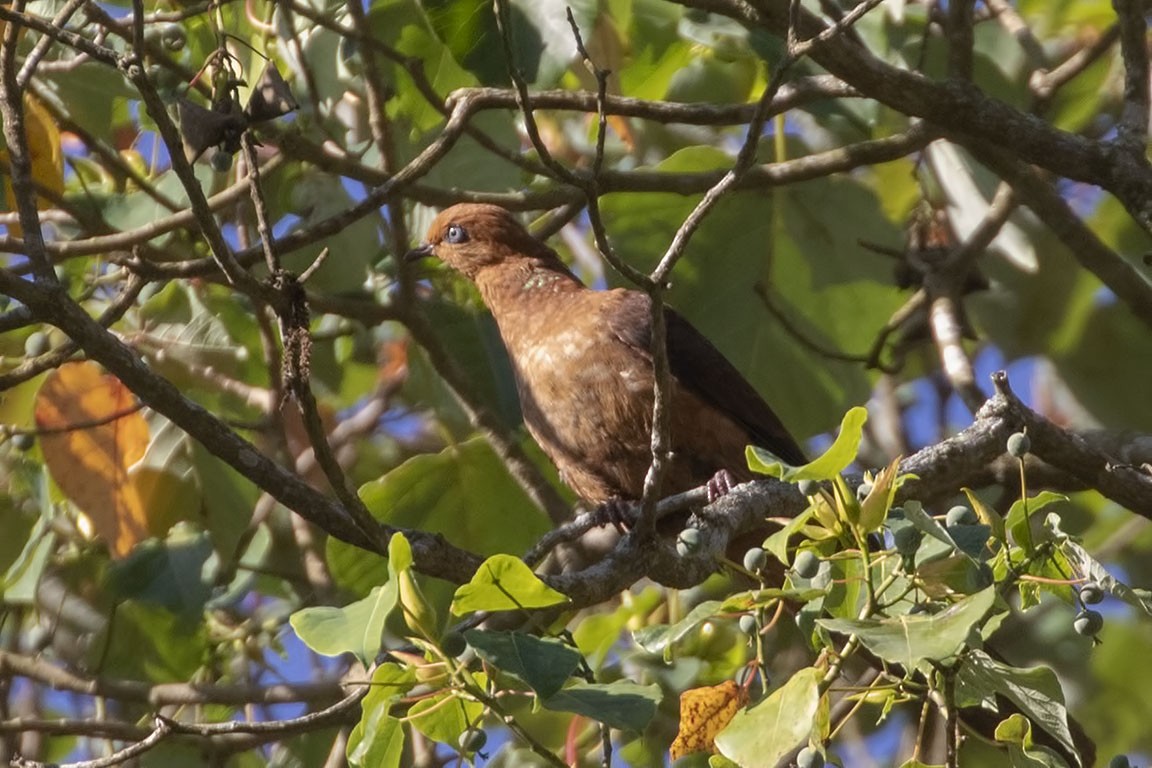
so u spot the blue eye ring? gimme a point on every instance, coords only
(455, 234)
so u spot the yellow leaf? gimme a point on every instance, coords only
(91, 434)
(704, 712)
(44, 151)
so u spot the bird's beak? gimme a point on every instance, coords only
(416, 254)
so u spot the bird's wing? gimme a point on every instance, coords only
(703, 369)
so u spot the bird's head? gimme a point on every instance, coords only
(472, 236)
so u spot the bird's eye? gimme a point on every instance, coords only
(455, 234)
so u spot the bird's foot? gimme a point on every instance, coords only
(720, 484)
(618, 513)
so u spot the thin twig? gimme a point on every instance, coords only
(158, 734)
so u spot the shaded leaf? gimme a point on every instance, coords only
(1090, 569)
(623, 704)
(173, 573)
(1036, 691)
(545, 664)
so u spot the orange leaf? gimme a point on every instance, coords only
(91, 434)
(703, 713)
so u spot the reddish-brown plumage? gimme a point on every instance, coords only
(584, 369)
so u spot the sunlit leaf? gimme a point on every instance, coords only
(828, 465)
(377, 741)
(704, 712)
(660, 637)
(910, 639)
(769, 730)
(356, 628)
(92, 434)
(504, 583)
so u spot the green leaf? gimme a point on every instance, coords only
(1023, 511)
(173, 573)
(623, 704)
(777, 543)
(377, 741)
(458, 493)
(356, 628)
(908, 640)
(23, 575)
(545, 664)
(1016, 732)
(942, 543)
(830, 464)
(1036, 691)
(766, 732)
(987, 515)
(874, 508)
(147, 642)
(504, 583)
(1091, 570)
(746, 601)
(914, 763)
(445, 716)
(659, 638)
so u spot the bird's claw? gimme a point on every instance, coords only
(720, 484)
(618, 513)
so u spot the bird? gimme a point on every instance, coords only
(582, 362)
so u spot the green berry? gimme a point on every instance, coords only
(36, 344)
(453, 644)
(755, 560)
(23, 441)
(473, 740)
(808, 487)
(748, 624)
(960, 515)
(1091, 593)
(863, 490)
(1019, 444)
(688, 541)
(809, 758)
(907, 539)
(806, 564)
(1088, 623)
(1120, 761)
